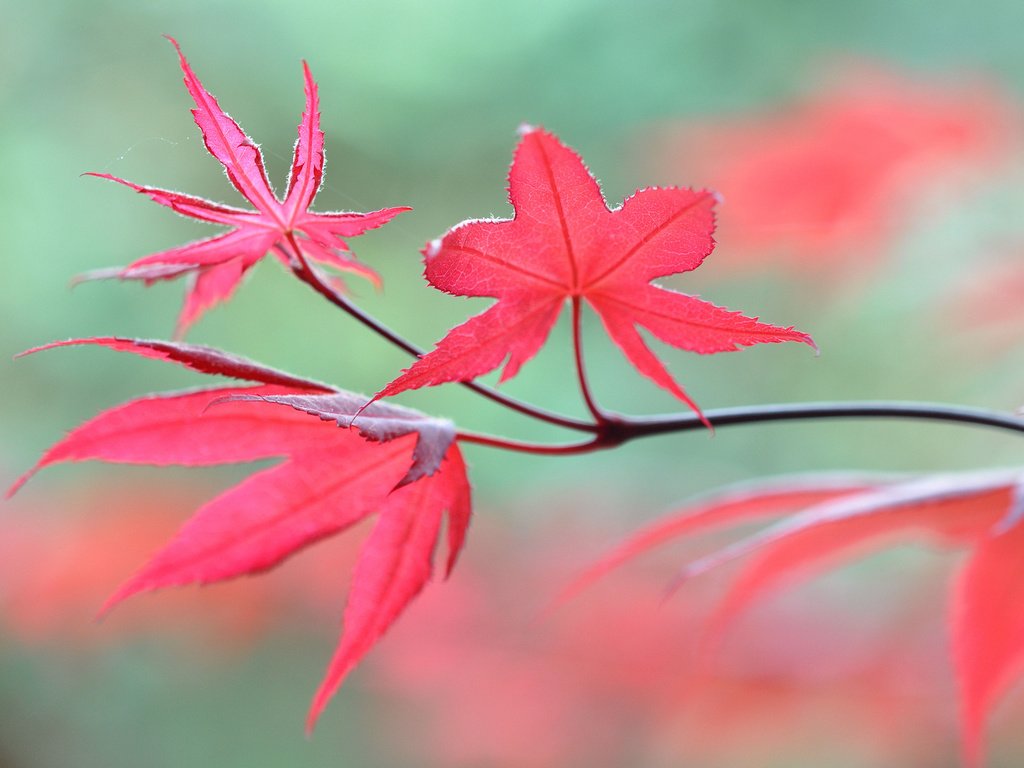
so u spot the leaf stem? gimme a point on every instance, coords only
(308, 275)
(631, 428)
(581, 372)
(563, 449)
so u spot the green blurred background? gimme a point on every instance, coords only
(420, 104)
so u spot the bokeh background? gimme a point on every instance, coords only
(872, 164)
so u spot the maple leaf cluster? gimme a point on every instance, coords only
(344, 457)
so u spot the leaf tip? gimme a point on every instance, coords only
(173, 42)
(16, 485)
(676, 584)
(434, 247)
(525, 129)
(316, 708)
(809, 341)
(123, 593)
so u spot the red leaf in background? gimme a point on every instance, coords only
(733, 506)
(218, 263)
(56, 568)
(612, 679)
(330, 479)
(982, 510)
(564, 243)
(988, 630)
(818, 184)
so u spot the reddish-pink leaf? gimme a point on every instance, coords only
(307, 170)
(187, 205)
(394, 565)
(460, 505)
(246, 245)
(209, 287)
(196, 357)
(319, 491)
(745, 503)
(564, 243)
(220, 262)
(337, 258)
(988, 630)
(981, 509)
(841, 519)
(240, 156)
(945, 506)
(855, 525)
(181, 428)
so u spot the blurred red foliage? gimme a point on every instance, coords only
(986, 308)
(57, 570)
(817, 186)
(614, 678)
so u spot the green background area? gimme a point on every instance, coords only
(420, 105)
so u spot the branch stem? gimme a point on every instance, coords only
(753, 414)
(563, 449)
(621, 429)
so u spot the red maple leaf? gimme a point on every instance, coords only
(287, 227)
(981, 510)
(565, 244)
(402, 465)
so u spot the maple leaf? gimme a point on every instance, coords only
(410, 473)
(980, 510)
(565, 244)
(286, 228)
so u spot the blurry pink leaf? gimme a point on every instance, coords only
(982, 510)
(818, 183)
(988, 631)
(746, 503)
